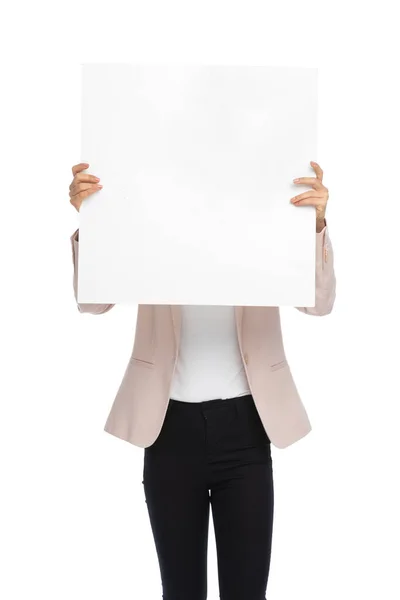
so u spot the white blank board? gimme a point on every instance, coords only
(197, 164)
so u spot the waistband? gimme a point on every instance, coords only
(215, 403)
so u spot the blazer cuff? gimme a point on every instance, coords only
(75, 235)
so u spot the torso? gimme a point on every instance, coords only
(209, 363)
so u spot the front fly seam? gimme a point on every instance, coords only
(205, 439)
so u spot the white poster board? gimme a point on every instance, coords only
(197, 164)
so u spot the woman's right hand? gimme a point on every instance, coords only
(82, 185)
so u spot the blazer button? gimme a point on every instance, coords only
(246, 358)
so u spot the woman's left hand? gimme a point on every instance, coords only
(317, 197)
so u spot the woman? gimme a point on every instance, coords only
(206, 391)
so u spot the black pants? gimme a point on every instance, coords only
(214, 452)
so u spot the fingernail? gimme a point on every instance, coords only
(297, 179)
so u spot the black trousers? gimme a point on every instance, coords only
(211, 453)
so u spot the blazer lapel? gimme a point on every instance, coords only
(239, 319)
(176, 314)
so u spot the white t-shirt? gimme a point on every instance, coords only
(209, 364)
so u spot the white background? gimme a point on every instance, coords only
(73, 517)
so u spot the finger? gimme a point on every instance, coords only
(309, 202)
(83, 187)
(313, 181)
(318, 171)
(308, 194)
(84, 177)
(79, 167)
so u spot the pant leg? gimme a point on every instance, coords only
(178, 504)
(242, 499)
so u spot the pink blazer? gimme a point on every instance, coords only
(139, 408)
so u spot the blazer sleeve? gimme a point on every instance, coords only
(325, 279)
(94, 309)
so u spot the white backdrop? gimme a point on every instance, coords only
(73, 517)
